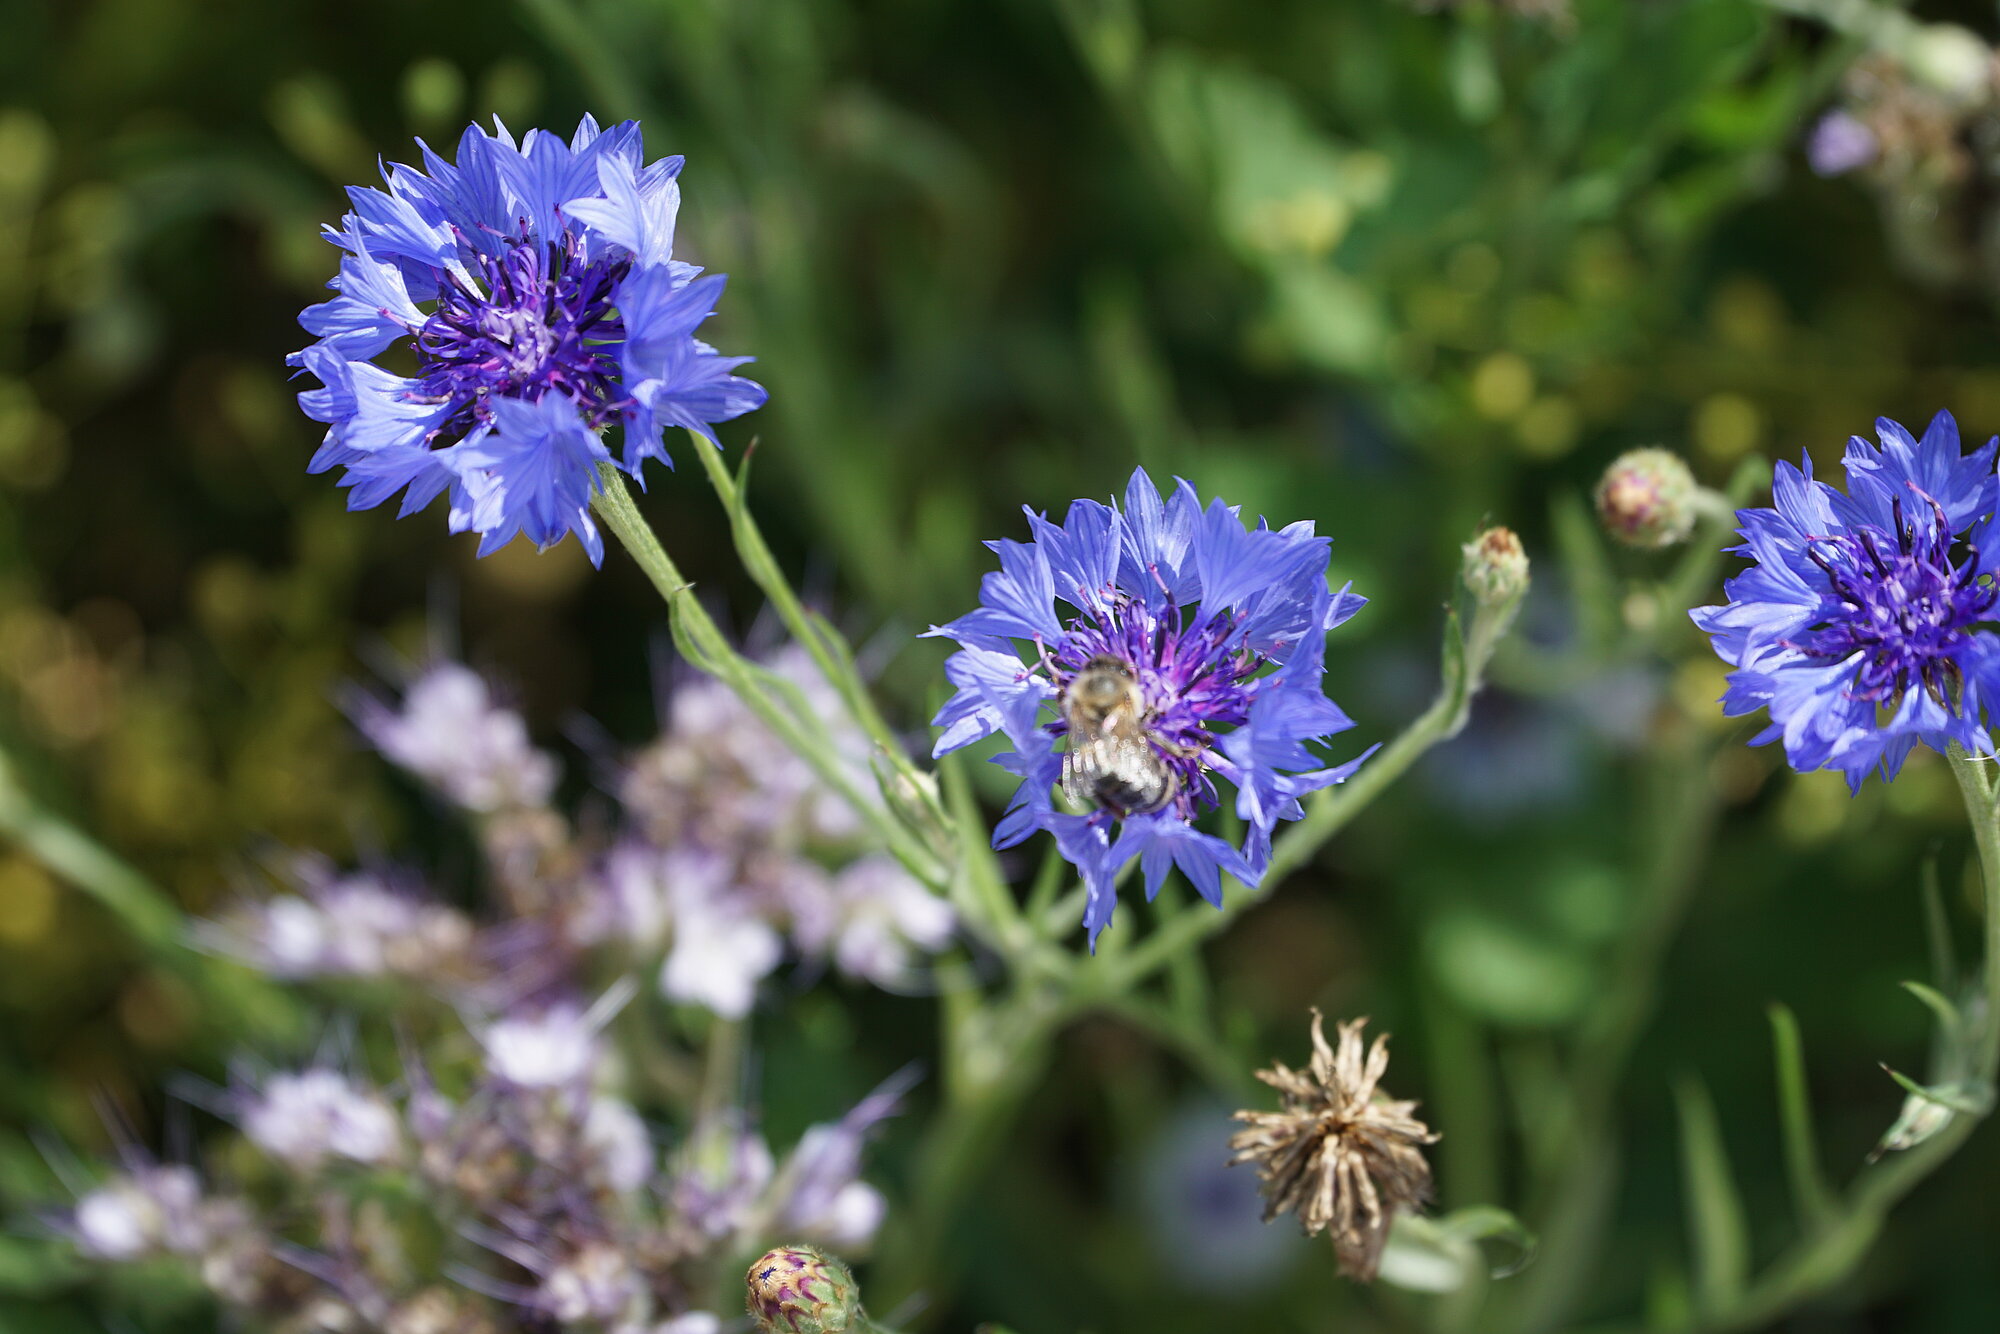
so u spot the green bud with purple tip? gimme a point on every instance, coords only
(800, 1290)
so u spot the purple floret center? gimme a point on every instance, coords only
(545, 322)
(1907, 601)
(1193, 673)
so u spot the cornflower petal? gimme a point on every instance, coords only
(1864, 625)
(534, 281)
(1219, 631)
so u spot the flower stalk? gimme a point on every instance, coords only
(701, 641)
(1828, 1254)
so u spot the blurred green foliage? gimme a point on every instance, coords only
(1393, 271)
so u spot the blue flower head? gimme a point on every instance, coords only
(1865, 623)
(535, 285)
(1207, 642)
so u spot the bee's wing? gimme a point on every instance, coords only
(1099, 764)
(1089, 757)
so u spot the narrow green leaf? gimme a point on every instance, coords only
(1669, 1304)
(1717, 1233)
(1587, 568)
(1973, 1099)
(1951, 1026)
(1489, 1222)
(978, 867)
(1937, 930)
(1811, 1195)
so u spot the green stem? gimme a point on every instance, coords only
(704, 645)
(721, 1071)
(995, 1059)
(1329, 810)
(1972, 775)
(831, 657)
(1568, 1207)
(1828, 1255)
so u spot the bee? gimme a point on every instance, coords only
(1110, 762)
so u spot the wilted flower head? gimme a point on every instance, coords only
(1864, 623)
(1193, 649)
(1339, 1154)
(1648, 498)
(306, 1117)
(453, 734)
(535, 286)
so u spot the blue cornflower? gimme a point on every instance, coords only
(1194, 649)
(1865, 624)
(535, 286)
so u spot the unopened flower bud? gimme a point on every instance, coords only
(799, 1290)
(1496, 568)
(1648, 498)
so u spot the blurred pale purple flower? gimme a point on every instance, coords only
(553, 1048)
(306, 1117)
(720, 1172)
(357, 925)
(738, 849)
(721, 951)
(880, 918)
(148, 1211)
(719, 775)
(597, 1283)
(694, 1322)
(453, 734)
(820, 1194)
(1839, 143)
(619, 1143)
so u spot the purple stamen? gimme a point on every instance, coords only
(545, 323)
(1190, 675)
(1905, 601)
